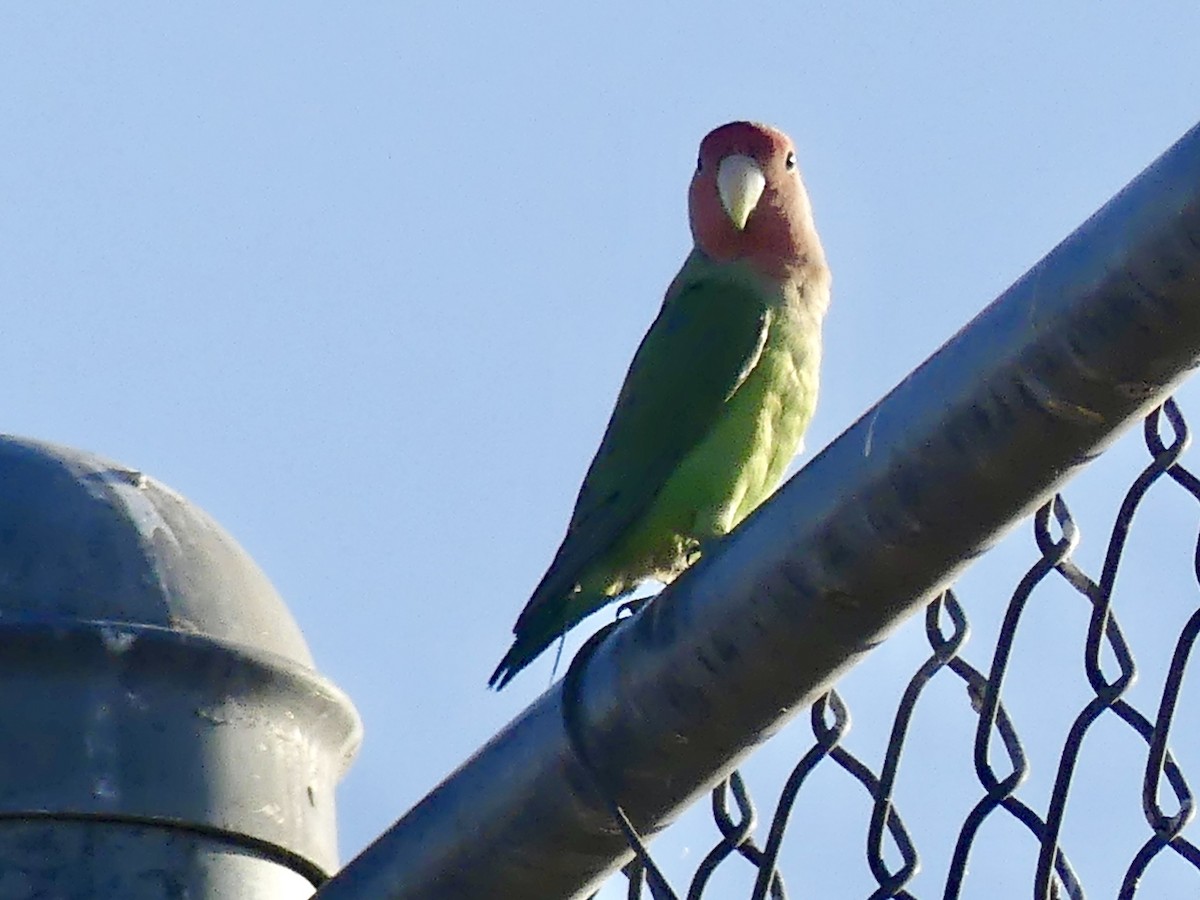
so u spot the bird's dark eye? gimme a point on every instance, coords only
(699, 163)
(791, 160)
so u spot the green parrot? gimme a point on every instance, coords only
(716, 399)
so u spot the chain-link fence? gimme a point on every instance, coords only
(1000, 761)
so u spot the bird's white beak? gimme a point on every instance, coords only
(740, 183)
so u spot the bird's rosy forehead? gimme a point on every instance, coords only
(750, 138)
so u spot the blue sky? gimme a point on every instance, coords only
(363, 283)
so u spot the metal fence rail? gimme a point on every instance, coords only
(946, 627)
(1093, 337)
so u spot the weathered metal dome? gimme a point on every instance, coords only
(152, 678)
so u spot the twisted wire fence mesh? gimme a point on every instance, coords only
(1110, 747)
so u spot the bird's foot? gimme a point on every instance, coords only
(710, 545)
(697, 549)
(634, 606)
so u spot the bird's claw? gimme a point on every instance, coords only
(633, 607)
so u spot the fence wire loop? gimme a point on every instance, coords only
(1000, 761)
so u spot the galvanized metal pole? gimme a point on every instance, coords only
(1092, 337)
(162, 730)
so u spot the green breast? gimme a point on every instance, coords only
(740, 461)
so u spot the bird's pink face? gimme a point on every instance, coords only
(746, 199)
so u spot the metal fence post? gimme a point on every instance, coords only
(162, 731)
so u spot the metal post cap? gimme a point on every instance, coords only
(149, 672)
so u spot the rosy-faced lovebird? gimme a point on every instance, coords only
(717, 397)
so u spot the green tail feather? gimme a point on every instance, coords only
(534, 633)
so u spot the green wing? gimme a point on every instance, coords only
(706, 339)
